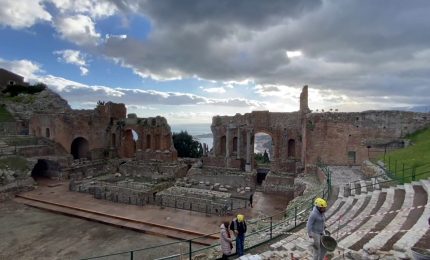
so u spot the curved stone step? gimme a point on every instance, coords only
(358, 208)
(376, 201)
(419, 229)
(370, 222)
(381, 239)
(381, 223)
(349, 203)
(335, 207)
(420, 199)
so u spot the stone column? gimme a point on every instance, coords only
(238, 142)
(248, 151)
(227, 142)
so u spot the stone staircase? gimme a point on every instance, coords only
(369, 223)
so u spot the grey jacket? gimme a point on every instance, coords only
(316, 222)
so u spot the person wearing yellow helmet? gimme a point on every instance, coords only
(238, 226)
(315, 227)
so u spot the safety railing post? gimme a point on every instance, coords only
(389, 163)
(413, 173)
(395, 167)
(271, 221)
(191, 252)
(131, 255)
(403, 174)
(295, 216)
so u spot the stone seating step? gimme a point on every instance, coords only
(352, 189)
(363, 186)
(361, 204)
(332, 208)
(382, 222)
(376, 200)
(370, 223)
(375, 184)
(419, 229)
(378, 241)
(349, 203)
(420, 198)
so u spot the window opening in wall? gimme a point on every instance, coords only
(291, 148)
(113, 140)
(223, 145)
(235, 144)
(351, 157)
(148, 141)
(47, 133)
(263, 148)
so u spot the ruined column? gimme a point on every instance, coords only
(238, 143)
(227, 142)
(248, 151)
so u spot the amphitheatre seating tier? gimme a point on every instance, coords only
(388, 221)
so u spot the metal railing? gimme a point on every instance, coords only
(260, 231)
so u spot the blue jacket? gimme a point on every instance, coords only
(316, 222)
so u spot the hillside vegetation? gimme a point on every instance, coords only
(414, 158)
(5, 116)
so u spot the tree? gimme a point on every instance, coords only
(266, 157)
(186, 145)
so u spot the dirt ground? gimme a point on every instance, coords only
(30, 233)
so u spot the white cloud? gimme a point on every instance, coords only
(25, 68)
(93, 8)
(79, 29)
(22, 14)
(119, 36)
(74, 57)
(219, 90)
(294, 54)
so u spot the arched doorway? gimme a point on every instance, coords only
(80, 148)
(129, 143)
(263, 155)
(291, 148)
(223, 145)
(40, 170)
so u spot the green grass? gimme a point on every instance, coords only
(5, 116)
(15, 163)
(415, 156)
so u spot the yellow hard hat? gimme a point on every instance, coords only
(320, 203)
(240, 217)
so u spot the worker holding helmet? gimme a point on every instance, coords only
(316, 226)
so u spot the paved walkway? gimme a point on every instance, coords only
(196, 223)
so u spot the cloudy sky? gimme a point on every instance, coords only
(191, 59)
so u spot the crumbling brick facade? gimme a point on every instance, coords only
(106, 132)
(303, 138)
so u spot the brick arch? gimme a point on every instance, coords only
(236, 134)
(128, 143)
(80, 148)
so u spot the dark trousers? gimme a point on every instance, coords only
(240, 243)
(224, 257)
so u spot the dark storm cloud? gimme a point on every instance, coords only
(356, 47)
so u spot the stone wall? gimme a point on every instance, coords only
(224, 176)
(105, 132)
(348, 138)
(234, 137)
(153, 169)
(82, 168)
(208, 201)
(278, 184)
(370, 169)
(138, 193)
